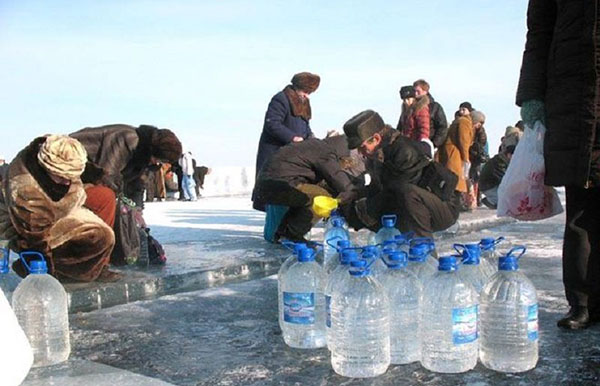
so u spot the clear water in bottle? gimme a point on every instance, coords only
(471, 270)
(374, 256)
(404, 292)
(388, 229)
(40, 304)
(489, 254)
(336, 280)
(336, 233)
(292, 258)
(509, 318)
(449, 317)
(360, 323)
(331, 263)
(421, 263)
(9, 280)
(335, 214)
(303, 286)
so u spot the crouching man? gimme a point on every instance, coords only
(297, 173)
(405, 182)
(41, 208)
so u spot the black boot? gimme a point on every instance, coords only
(577, 318)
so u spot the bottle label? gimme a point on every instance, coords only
(328, 310)
(464, 324)
(299, 307)
(532, 322)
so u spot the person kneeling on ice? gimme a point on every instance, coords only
(42, 208)
(294, 176)
(404, 181)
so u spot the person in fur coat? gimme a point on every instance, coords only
(286, 120)
(42, 208)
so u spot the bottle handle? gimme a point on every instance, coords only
(390, 216)
(515, 250)
(460, 248)
(29, 253)
(328, 241)
(498, 240)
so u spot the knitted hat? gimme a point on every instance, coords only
(477, 117)
(361, 127)
(511, 130)
(62, 156)
(305, 81)
(407, 92)
(466, 105)
(166, 146)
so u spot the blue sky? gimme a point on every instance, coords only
(207, 69)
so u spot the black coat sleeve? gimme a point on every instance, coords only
(439, 124)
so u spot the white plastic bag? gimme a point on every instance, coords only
(522, 193)
(16, 356)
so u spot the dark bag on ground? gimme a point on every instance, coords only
(439, 180)
(152, 252)
(127, 237)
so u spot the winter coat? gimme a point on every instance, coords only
(478, 151)
(455, 150)
(417, 120)
(438, 127)
(281, 124)
(123, 152)
(403, 161)
(308, 162)
(560, 66)
(187, 166)
(493, 171)
(37, 214)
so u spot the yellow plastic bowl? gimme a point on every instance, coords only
(323, 205)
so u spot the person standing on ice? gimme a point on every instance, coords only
(187, 169)
(286, 120)
(559, 85)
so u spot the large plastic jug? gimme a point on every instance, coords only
(40, 304)
(16, 356)
(9, 280)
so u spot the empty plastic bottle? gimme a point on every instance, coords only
(40, 304)
(404, 294)
(509, 318)
(489, 255)
(9, 280)
(336, 233)
(335, 214)
(360, 325)
(336, 280)
(330, 262)
(421, 263)
(449, 319)
(303, 286)
(292, 258)
(388, 230)
(471, 270)
(16, 356)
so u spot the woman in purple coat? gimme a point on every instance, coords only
(286, 119)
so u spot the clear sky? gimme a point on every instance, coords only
(207, 69)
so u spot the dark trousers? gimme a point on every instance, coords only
(299, 219)
(417, 209)
(581, 247)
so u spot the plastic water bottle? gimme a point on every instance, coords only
(421, 263)
(388, 230)
(40, 304)
(303, 286)
(9, 280)
(335, 214)
(471, 270)
(285, 266)
(449, 319)
(404, 292)
(336, 233)
(360, 325)
(334, 263)
(16, 356)
(509, 318)
(489, 255)
(374, 257)
(403, 241)
(337, 279)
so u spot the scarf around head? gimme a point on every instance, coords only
(63, 156)
(300, 107)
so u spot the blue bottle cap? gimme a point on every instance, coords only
(488, 243)
(343, 244)
(418, 252)
(348, 256)
(38, 267)
(397, 259)
(4, 268)
(471, 254)
(335, 213)
(337, 222)
(388, 222)
(447, 263)
(298, 247)
(306, 255)
(508, 263)
(359, 268)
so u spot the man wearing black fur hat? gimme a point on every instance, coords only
(419, 191)
(286, 119)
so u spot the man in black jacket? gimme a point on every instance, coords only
(491, 175)
(420, 192)
(297, 173)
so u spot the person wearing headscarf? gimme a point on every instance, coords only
(42, 208)
(286, 120)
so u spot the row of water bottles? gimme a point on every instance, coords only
(34, 318)
(394, 303)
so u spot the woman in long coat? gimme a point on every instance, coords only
(559, 84)
(454, 154)
(42, 208)
(286, 120)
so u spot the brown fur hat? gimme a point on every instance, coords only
(305, 81)
(166, 145)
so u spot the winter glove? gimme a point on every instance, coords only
(466, 168)
(532, 111)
